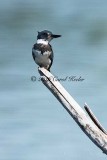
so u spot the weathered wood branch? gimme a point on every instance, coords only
(98, 137)
(94, 119)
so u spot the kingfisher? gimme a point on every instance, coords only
(42, 50)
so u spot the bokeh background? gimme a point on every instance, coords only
(33, 124)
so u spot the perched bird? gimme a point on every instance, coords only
(42, 51)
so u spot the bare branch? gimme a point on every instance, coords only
(94, 119)
(73, 108)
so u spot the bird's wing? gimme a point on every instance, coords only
(51, 56)
(36, 47)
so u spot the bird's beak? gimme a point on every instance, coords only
(55, 36)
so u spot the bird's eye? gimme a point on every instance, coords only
(45, 34)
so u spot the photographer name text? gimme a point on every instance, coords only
(56, 78)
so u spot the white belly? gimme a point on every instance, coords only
(42, 59)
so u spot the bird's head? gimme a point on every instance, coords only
(47, 35)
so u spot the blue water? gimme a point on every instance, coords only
(33, 124)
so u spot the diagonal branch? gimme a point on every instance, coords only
(84, 122)
(94, 119)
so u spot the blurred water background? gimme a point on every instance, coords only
(33, 125)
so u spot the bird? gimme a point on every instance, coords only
(42, 50)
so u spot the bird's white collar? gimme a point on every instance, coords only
(42, 41)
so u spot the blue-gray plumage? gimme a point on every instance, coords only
(42, 51)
